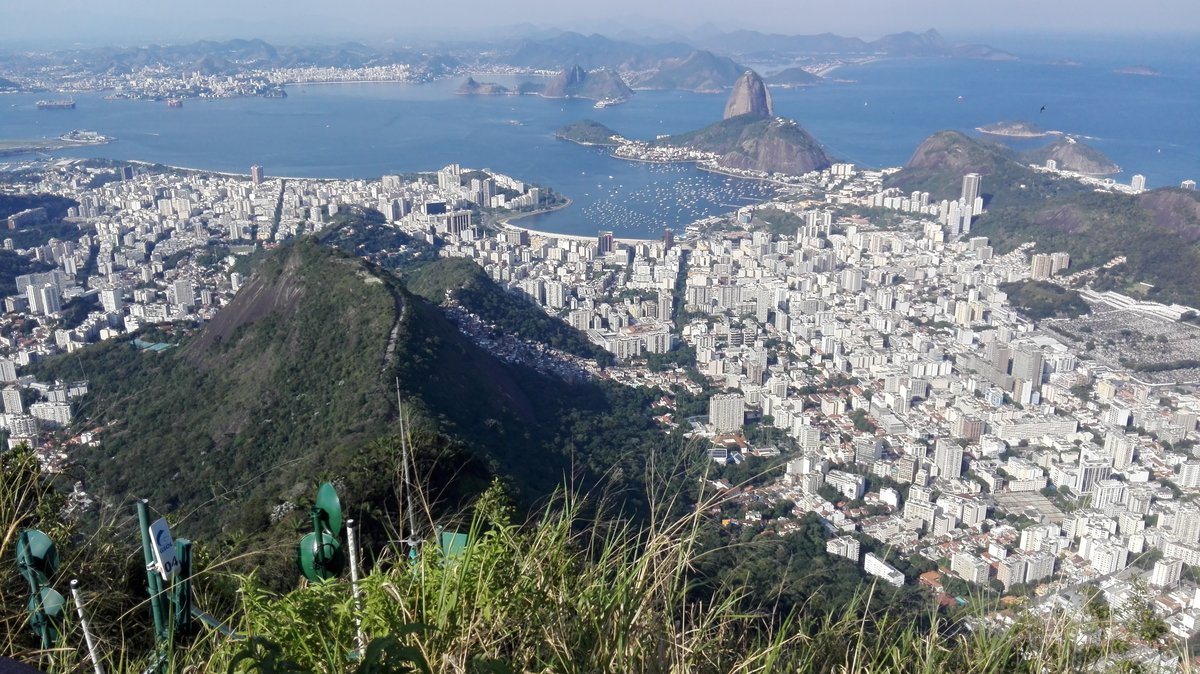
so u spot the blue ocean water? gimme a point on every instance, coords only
(876, 118)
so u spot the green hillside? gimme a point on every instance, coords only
(465, 283)
(939, 163)
(587, 132)
(748, 142)
(295, 378)
(1156, 231)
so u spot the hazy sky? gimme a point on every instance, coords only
(97, 21)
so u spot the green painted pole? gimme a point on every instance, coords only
(318, 540)
(153, 580)
(182, 597)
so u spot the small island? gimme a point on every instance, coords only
(473, 88)
(1013, 130)
(67, 140)
(84, 137)
(587, 132)
(794, 78)
(1143, 71)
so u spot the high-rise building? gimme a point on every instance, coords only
(1091, 471)
(727, 412)
(852, 280)
(12, 400)
(1027, 364)
(844, 546)
(1188, 185)
(604, 241)
(8, 371)
(256, 174)
(185, 292)
(1038, 566)
(49, 299)
(1166, 572)
(1042, 267)
(948, 456)
(1108, 492)
(877, 567)
(970, 568)
(111, 300)
(126, 173)
(970, 189)
(1189, 474)
(1011, 571)
(1138, 182)
(668, 238)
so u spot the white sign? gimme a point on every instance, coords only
(164, 549)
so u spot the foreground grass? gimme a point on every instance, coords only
(567, 593)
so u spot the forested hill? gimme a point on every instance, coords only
(1157, 231)
(294, 381)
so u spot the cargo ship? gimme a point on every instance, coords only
(55, 105)
(174, 103)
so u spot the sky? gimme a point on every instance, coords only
(60, 22)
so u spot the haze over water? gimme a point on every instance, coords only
(1146, 124)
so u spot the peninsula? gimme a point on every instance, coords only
(748, 142)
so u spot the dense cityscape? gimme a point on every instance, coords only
(910, 402)
(614, 338)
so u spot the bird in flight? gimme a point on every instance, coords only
(1043, 109)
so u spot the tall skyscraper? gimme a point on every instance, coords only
(256, 174)
(727, 412)
(605, 242)
(948, 456)
(970, 189)
(1138, 182)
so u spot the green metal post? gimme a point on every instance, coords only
(319, 540)
(182, 591)
(153, 580)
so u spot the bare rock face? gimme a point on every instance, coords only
(749, 97)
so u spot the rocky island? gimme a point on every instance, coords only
(794, 78)
(587, 132)
(598, 85)
(1013, 130)
(1144, 71)
(473, 88)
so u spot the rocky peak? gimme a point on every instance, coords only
(749, 97)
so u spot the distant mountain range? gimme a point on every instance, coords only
(708, 64)
(700, 71)
(232, 56)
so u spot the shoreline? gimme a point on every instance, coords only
(189, 169)
(505, 222)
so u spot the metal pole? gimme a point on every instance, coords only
(318, 540)
(83, 625)
(153, 581)
(358, 607)
(408, 488)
